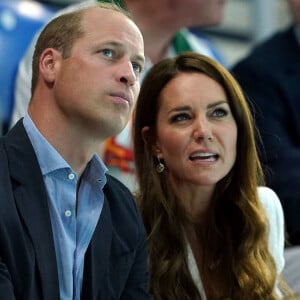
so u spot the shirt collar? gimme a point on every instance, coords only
(48, 157)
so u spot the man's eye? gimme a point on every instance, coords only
(137, 68)
(107, 52)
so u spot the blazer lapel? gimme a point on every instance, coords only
(31, 200)
(97, 257)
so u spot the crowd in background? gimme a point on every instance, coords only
(270, 74)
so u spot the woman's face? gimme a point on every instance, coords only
(196, 131)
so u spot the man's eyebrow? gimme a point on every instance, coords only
(140, 58)
(112, 43)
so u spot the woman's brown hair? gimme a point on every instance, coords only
(237, 232)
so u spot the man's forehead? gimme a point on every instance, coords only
(97, 18)
(105, 13)
(108, 21)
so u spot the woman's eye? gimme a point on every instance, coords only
(107, 53)
(219, 112)
(180, 118)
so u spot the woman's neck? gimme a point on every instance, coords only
(212, 273)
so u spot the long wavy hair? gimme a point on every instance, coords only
(237, 229)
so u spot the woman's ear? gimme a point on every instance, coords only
(157, 150)
(149, 139)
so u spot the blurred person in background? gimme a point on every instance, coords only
(164, 27)
(270, 78)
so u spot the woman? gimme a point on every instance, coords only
(212, 232)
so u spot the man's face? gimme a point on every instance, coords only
(96, 87)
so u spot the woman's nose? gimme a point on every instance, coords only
(202, 129)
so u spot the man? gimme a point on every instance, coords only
(68, 230)
(163, 24)
(270, 77)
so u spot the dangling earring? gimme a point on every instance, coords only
(160, 166)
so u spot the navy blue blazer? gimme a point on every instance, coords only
(270, 78)
(116, 259)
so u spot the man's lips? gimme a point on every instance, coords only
(123, 96)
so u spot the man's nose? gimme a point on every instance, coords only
(126, 72)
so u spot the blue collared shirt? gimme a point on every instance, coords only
(74, 216)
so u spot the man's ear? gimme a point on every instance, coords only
(49, 62)
(148, 137)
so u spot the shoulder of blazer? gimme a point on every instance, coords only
(23, 163)
(25, 200)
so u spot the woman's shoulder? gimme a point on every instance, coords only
(274, 213)
(269, 200)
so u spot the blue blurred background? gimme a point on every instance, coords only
(246, 22)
